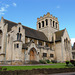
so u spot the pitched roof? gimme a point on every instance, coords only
(59, 34)
(29, 32)
(10, 24)
(35, 34)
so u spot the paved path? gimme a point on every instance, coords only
(31, 64)
(69, 73)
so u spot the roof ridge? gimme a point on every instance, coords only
(59, 30)
(29, 31)
(32, 28)
(23, 25)
(11, 21)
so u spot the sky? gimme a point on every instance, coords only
(27, 12)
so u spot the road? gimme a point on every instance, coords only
(70, 73)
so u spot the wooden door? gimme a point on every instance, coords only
(31, 55)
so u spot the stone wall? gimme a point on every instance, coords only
(38, 71)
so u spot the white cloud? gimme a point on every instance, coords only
(2, 13)
(6, 5)
(58, 7)
(2, 9)
(14, 4)
(72, 41)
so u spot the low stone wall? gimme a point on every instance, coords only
(37, 71)
(13, 62)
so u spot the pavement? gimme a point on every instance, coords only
(30, 64)
(69, 73)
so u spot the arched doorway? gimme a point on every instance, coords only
(33, 54)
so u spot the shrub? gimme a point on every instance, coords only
(42, 61)
(0, 68)
(67, 62)
(48, 61)
(4, 69)
(72, 62)
(53, 61)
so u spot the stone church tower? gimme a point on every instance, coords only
(48, 24)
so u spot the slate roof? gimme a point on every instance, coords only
(28, 31)
(59, 34)
(10, 24)
(35, 34)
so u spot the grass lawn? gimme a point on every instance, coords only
(33, 67)
(57, 65)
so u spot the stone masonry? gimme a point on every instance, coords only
(20, 44)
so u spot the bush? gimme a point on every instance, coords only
(67, 62)
(4, 69)
(53, 61)
(48, 61)
(0, 68)
(42, 61)
(33, 62)
(72, 62)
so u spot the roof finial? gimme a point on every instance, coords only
(48, 14)
(19, 23)
(2, 20)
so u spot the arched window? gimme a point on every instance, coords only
(8, 38)
(56, 24)
(17, 36)
(39, 25)
(53, 23)
(66, 44)
(20, 36)
(0, 37)
(46, 22)
(19, 29)
(42, 23)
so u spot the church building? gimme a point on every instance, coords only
(20, 44)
